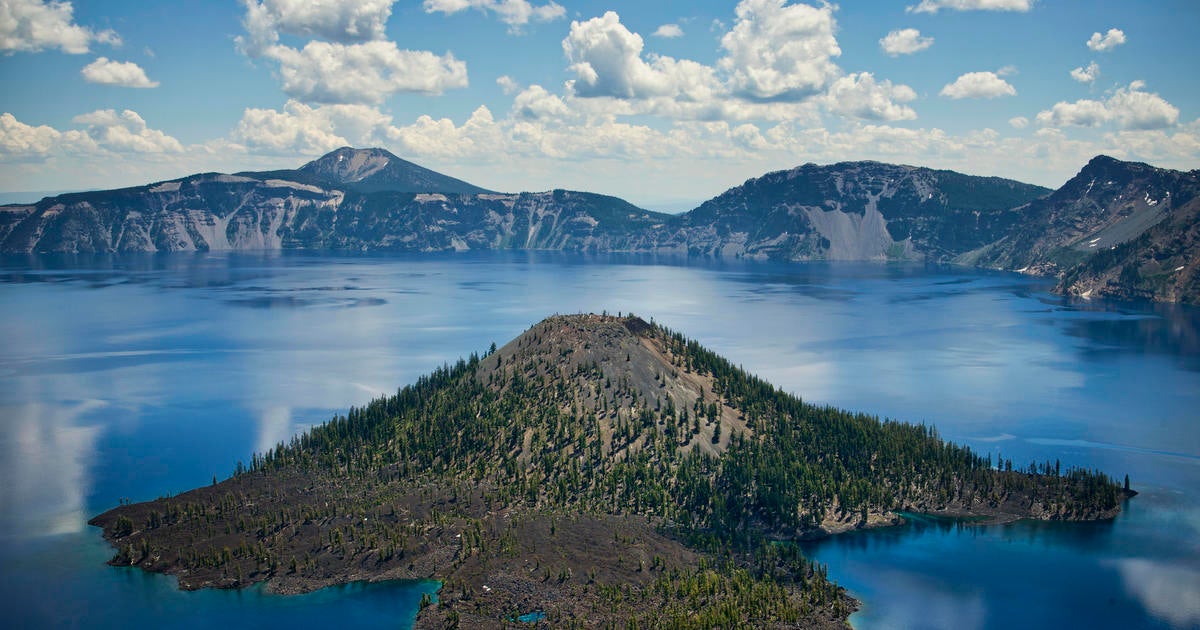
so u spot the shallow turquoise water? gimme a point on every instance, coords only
(136, 377)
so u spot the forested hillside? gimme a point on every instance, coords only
(596, 468)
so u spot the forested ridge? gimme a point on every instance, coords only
(687, 469)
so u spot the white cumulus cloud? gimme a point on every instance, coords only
(325, 72)
(547, 148)
(441, 138)
(1128, 107)
(978, 85)
(344, 21)
(669, 31)
(777, 51)
(19, 140)
(933, 6)
(535, 103)
(777, 66)
(606, 59)
(551, 144)
(34, 25)
(1086, 74)
(515, 13)
(904, 42)
(859, 95)
(749, 137)
(126, 132)
(1018, 122)
(106, 132)
(1081, 113)
(1133, 108)
(1106, 42)
(121, 73)
(353, 62)
(508, 84)
(302, 129)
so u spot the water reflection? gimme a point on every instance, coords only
(288, 301)
(1168, 591)
(275, 426)
(1108, 328)
(922, 528)
(926, 603)
(1116, 447)
(46, 456)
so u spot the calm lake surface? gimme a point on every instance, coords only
(141, 376)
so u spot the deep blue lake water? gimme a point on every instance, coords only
(141, 376)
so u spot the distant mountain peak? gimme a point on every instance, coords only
(375, 170)
(1111, 179)
(1108, 164)
(348, 164)
(1102, 159)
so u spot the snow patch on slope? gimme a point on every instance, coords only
(283, 183)
(166, 187)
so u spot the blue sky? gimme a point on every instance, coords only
(664, 103)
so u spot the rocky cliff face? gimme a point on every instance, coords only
(556, 220)
(202, 212)
(1118, 229)
(229, 212)
(1161, 264)
(370, 199)
(851, 211)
